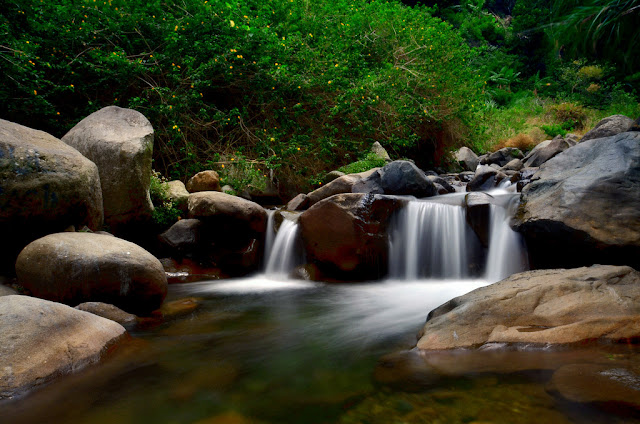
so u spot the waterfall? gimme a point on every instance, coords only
(431, 239)
(283, 249)
(507, 254)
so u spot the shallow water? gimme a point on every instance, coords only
(275, 351)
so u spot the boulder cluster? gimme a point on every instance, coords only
(73, 209)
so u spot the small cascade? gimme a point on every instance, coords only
(283, 252)
(507, 253)
(429, 240)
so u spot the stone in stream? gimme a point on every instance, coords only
(73, 268)
(120, 142)
(467, 159)
(545, 151)
(402, 177)
(108, 311)
(583, 206)
(486, 178)
(45, 187)
(42, 340)
(342, 184)
(541, 307)
(345, 235)
(231, 234)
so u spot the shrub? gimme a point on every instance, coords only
(369, 162)
(296, 87)
(569, 115)
(164, 212)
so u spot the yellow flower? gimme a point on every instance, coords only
(35, 92)
(232, 24)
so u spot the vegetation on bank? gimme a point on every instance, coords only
(287, 90)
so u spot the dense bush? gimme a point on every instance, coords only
(296, 87)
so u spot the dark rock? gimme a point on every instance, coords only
(45, 187)
(608, 127)
(298, 203)
(345, 235)
(371, 184)
(467, 176)
(501, 157)
(478, 214)
(436, 179)
(584, 205)
(340, 185)
(402, 177)
(485, 178)
(182, 237)
(212, 205)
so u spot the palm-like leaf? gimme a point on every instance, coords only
(602, 28)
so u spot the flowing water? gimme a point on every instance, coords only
(268, 349)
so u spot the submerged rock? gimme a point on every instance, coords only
(73, 268)
(541, 307)
(41, 340)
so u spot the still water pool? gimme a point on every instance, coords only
(274, 351)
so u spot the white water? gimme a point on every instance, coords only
(283, 249)
(431, 239)
(507, 253)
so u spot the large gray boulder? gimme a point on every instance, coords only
(217, 205)
(45, 187)
(345, 236)
(42, 340)
(583, 206)
(73, 268)
(608, 127)
(120, 142)
(541, 307)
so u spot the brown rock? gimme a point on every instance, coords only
(204, 181)
(545, 306)
(213, 204)
(111, 312)
(41, 340)
(74, 268)
(345, 235)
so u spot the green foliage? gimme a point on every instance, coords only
(242, 173)
(164, 212)
(370, 161)
(295, 87)
(553, 130)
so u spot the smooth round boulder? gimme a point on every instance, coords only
(560, 306)
(45, 187)
(345, 235)
(345, 184)
(213, 204)
(402, 177)
(41, 340)
(111, 312)
(204, 181)
(120, 142)
(73, 268)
